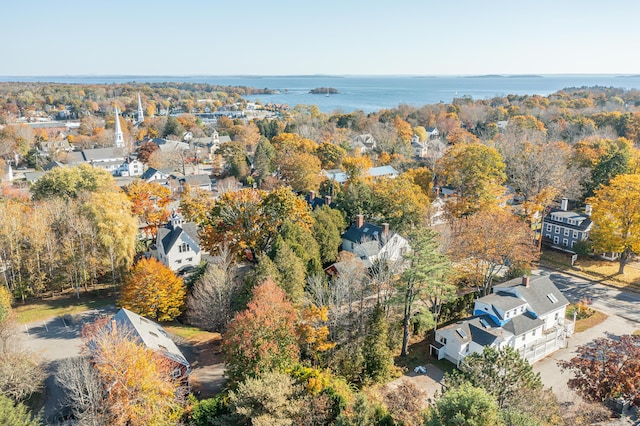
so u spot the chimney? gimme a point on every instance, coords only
(385, 230)
(526, 281)
(327, 200)
(565, 204)
(113, 326)
(587, 210)
(359, 221)
(312, 195)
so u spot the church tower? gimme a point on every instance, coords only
(140, 111)
(119, 139)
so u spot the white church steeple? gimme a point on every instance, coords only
(140, 111)
(119, 139)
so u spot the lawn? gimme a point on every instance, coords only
(192, 334)
(599, 270)
(42, 309)
(586, 323)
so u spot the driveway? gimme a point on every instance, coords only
(54, 340)
(623, 310)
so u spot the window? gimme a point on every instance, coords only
(565, 242)
(178, 260)
(461, 333)
(190, 259)
(548, 235)
(507, 314)
(175, 373)
(557, 229)
(575, 235)
(548, 227)
(556, 239)
(533, 333)
(466, 349)
(443, 340)
(556, 316)
(552, 298)
(523, 338)
(566, 232)
(572, 243)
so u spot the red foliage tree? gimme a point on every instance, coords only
(263, 337)
(607, 368)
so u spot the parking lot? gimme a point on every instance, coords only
(52, 341)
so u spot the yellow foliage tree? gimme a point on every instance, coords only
(139, 387)
(356, 167)
(153, 291)
(616, 217)
(312, 331)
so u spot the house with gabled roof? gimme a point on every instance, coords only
(563, 228)
(363, 143)
(153, 336)
(371, 242)
(527, 314)
(178, 245)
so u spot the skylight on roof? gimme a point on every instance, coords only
(484, 323)
(461, 333)
(552, 298)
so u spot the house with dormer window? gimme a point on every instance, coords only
(527, 314)
(563, 228)
(178, 245)
(371, 242)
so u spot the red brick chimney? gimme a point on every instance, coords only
(526, 281)
(359, 221)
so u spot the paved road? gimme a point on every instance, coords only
(606, 299)
(623, 309)
(54, 340)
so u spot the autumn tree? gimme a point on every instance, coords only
(427, 266)
(330, 155)
(300, 170)
(138, 386)
(313, 332)
(83, 391)
(606, 368)
(249, 220)
(145, 150)
(502, 373)
(153, 291)
(263, 337)
(356, 167)
(481, 246)
(69, 182)
(400, 203)
(604, 158)
(149, 202)
(616, 218)
(476, 172)
(195, 204)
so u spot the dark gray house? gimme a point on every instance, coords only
(563, 228)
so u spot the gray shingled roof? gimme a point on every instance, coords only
(504, 301)
(100, 154)
(521, 324)
(475, 330)
(197, 180)
(367, 232)
(169, 236)
(536, 294)
(584, 225)
(151, 334)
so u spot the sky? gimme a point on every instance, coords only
(339, 37)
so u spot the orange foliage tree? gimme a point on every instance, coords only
(149, 202)
(153, 291)
(263, 337)
(490, 240)
(138, 386)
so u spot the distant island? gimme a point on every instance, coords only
(324, 91)
(503, 76)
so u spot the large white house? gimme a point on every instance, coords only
(527, 314)
(178, 245)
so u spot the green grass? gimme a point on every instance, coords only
(38, 310)
(592, 321)
(186, 331)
